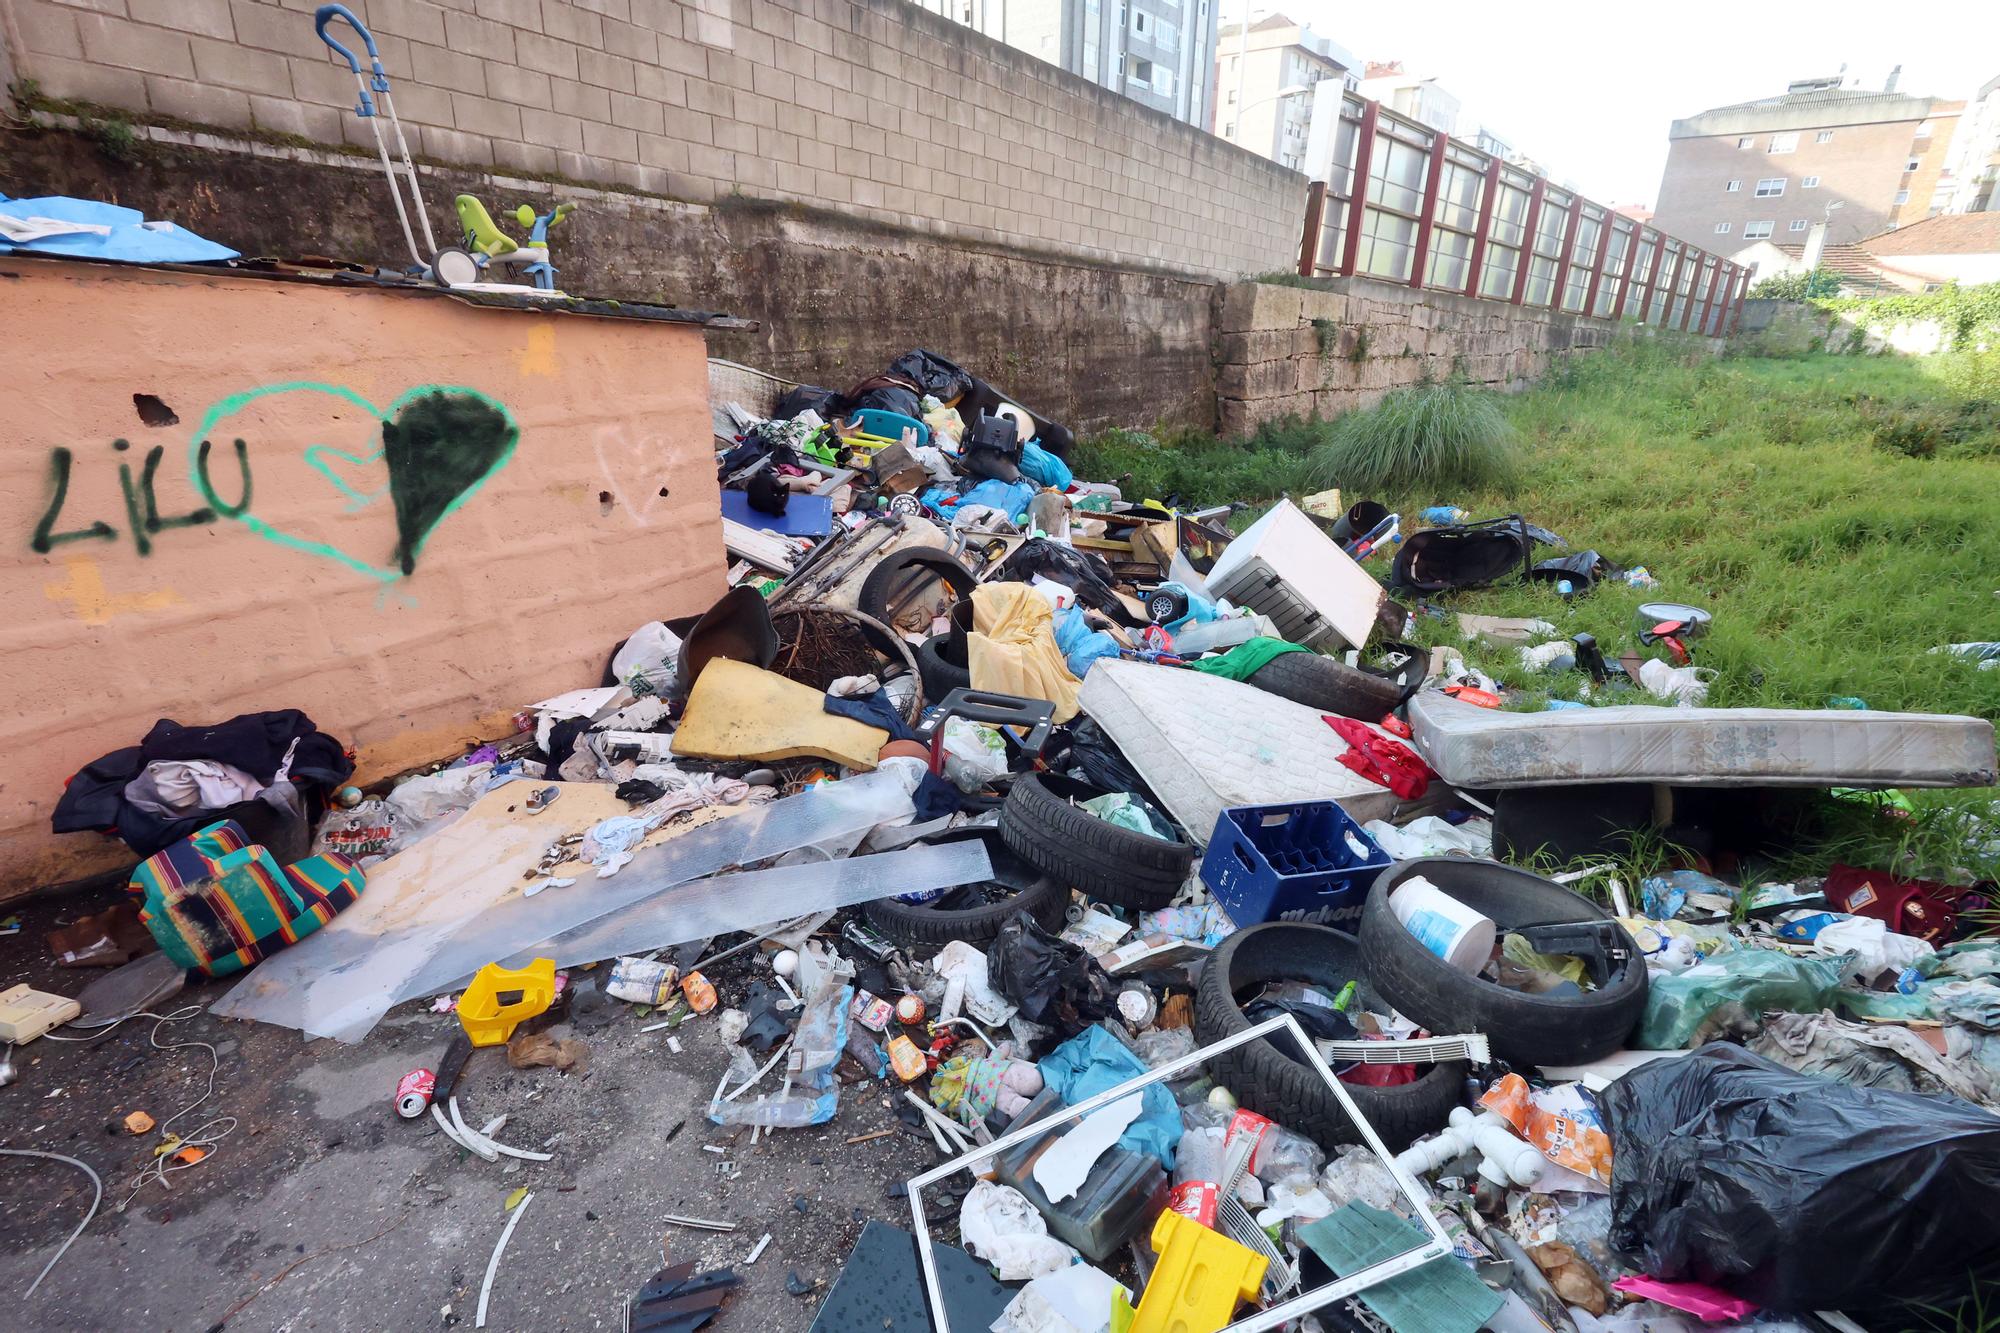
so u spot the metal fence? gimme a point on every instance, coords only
(1444, 216)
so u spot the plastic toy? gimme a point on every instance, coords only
(500, 999)
(486, 245)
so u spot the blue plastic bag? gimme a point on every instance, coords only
(1094, 1060)
(1039, 465)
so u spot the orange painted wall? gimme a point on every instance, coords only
(604, 515)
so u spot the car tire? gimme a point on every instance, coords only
(1271, 1082)
(1563, 824)
(941, 675)
(1321, 682)
(1086, 853)
(882, 591)
(1523, 1029)
(913, 924)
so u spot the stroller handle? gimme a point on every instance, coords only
(326, 14)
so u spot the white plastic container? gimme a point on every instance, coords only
(1443, 924)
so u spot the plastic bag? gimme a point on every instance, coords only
(1732, 990)
(645, 662)
(1055, 983)
(1164, 1046)
(1797, 1192)
(1356, 1175)
(974, 754)
(1099, 762)
(365, 833)
(1000, 1227)
(1284, 1154)
(1129, 812)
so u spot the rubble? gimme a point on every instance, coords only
(1081, 843)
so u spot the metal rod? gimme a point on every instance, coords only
(1488, 192)
(1533, 221)
(1357, 186)
(1427, 216)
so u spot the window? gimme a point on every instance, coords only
(1231, 99)
(1771, 187)
(1902, 196)
(1747, 141)
(1142, 22)
(1784, 143)
(1732, 187)
(1756, 231)
(1824, 136)
(1809, 183)
(1722, 228)
(1166, 36)
(1799, 224)
(1229, 129)
(1163, 80)
(1139, 70)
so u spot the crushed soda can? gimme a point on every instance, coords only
(643, 981)
(700, 994)
(414, 1092)
(875, 945)
(1196, 1200)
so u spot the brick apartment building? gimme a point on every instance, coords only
(1770, 169)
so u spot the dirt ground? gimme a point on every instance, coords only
(318, 1159)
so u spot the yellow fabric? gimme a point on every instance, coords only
(1012, 647)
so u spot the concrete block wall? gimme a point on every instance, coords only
(872, 107)
(1285, 351)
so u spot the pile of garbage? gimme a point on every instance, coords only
(1128, 854)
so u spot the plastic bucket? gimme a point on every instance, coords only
(1443, 924)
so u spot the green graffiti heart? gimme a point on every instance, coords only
(440, 444)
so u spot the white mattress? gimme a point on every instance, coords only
(1204, 743)
(1704, 747)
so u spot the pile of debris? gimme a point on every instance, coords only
(1152, 867)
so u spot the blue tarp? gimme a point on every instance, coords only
(1094, 1060)
(131, 240)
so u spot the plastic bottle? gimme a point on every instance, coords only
(1444, 516)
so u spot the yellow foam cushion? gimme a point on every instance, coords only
(738, 711)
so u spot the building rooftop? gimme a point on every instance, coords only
(1804, 110)
(1945, 234)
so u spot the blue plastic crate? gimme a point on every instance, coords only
(1264, 861)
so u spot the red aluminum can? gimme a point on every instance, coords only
(414, 1092)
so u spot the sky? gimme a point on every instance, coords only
(1591, 89)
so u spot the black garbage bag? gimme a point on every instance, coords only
(932, 374)
(1583, 569)
(1087, 573)
(1798, 1192)
(807, 397)
(1101, 762)
(1056, 983)
(1468, 555)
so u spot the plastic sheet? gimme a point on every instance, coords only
(339, 982)
(1800, 1193)
(1732, 989)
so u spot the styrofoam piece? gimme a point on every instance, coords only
(753, 898)
(339, 981)
(1203, 744)
(1061, 1170)
(1699, 747)
(1286, 568)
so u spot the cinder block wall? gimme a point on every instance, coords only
(873, 107)
(133, 594)
(1323, 350)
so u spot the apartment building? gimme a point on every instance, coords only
(1265, 77)
(1972, 183)
(1859, 160)
(1160, 53)
(1419, 98)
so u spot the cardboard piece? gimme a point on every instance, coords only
(737, 711)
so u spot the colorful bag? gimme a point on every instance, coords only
(218, 903)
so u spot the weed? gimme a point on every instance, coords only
(116, 137)
(1419, 439)
(1360, 352)
(1327, 332)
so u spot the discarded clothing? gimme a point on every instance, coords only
(1246, 659)
(175, 787)
(1012, 649)
(877, 710)
(217, 903)
(1381, 759)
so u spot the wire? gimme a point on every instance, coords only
(96, 1183)
(206, 1136)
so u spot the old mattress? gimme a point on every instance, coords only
(1204, 743)
(1706, 747)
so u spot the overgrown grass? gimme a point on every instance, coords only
(1194, 469)
(1425, 437)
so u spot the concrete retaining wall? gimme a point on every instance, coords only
(1344, 342)
(303, 574)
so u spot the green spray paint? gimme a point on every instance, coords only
(440, 444)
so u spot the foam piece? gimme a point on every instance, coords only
(738, 711)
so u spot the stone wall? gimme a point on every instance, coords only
(873, 108)
(237, 541)
(838, 297)
(1342, 343)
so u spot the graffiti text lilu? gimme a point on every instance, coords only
(142, 506)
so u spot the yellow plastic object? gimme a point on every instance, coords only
(486, 1018)
(737, 711)
(485, 234)
(1201, 1278)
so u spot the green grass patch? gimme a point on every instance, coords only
(1447, 434)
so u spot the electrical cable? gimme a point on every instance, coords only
(96, 1183)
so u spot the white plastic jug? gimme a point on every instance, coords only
(1443, 924)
